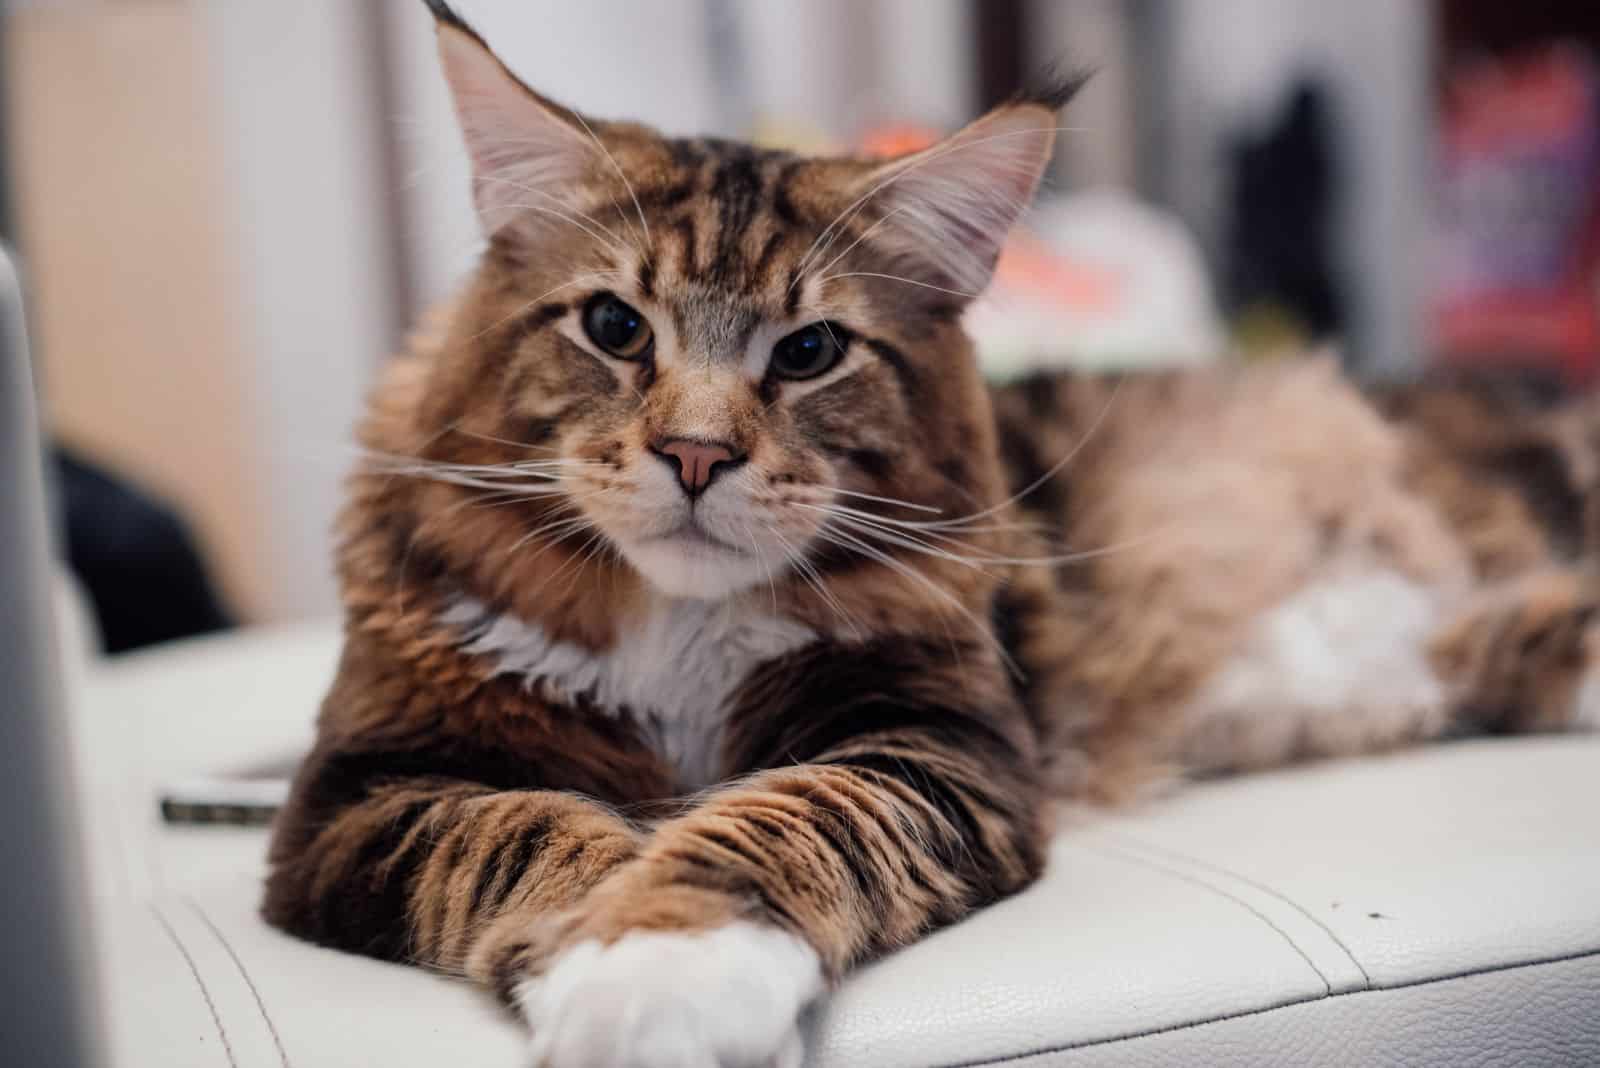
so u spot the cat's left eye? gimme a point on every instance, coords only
(808, 352)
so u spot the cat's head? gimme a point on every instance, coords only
(724, 359)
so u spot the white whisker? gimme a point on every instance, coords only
(889, 500)
(582, 279)
(616, 239)
(1054, 470)
(808, 573)
(611, 242)
(898, 278)
(868, 232)
(625, 183)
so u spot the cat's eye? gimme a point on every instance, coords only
(808, 352)
(617, 327)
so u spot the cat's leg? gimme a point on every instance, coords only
(376, 855)
(890, 806)
(1525, 655)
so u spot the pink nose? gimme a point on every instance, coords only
(698, 462)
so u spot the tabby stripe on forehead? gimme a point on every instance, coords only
(671, 191)
(736, 187)
(763, 265)
(792, 292)
(782, 204)
(686, 153)
(689, 237)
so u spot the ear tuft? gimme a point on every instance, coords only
(527, 152)
(445, 15)
(1053, 89)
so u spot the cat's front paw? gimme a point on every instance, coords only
(729, 997)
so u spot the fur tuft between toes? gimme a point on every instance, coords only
(726, 998)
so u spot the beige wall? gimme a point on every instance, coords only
(119, 195)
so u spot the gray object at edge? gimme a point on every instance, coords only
(46, 994)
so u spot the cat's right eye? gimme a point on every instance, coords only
(617, 327)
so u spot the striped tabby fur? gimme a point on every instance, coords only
(616, 756)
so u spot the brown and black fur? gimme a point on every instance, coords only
(1459, 488)
(893, 774)
(882, 781)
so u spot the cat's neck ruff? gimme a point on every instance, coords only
(671, 670)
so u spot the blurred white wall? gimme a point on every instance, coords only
(608, 58)
(295, 102)
(1098, 144)
(686, 66)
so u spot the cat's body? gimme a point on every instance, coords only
(1273, 570)
(712, 627)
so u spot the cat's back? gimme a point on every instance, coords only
(1171, 433)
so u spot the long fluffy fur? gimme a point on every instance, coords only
(941, 624)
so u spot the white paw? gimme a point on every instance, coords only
(727, 998)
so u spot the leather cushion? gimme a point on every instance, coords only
(1440, 906)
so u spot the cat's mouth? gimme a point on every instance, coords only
(688, 560)
(691, 536)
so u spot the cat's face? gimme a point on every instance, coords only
(728, 358)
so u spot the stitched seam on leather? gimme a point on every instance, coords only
(1139, 843)
(1219, 891)
(1013, 1058)
(194, 970)
(277, 1041)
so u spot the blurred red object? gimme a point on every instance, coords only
(1518, 266)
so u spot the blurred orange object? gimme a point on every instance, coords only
(898, 139)
(1031, 267)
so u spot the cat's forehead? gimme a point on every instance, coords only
(726, 231)
(729, 216)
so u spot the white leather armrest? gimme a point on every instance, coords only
(1437, 907)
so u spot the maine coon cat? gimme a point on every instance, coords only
(713, 628)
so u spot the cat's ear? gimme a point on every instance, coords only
(950, 207)
(527, 151)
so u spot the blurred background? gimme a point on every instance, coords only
(229, 212)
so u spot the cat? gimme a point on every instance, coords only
(712, 627)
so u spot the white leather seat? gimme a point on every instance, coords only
(1438, 907)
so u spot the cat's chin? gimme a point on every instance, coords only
(691, 566)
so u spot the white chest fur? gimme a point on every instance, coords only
(670, 671)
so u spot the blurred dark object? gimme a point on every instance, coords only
(135, 557)
(1516, 277)
(1470, 28)
(1000, 29)
(1279, 257)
